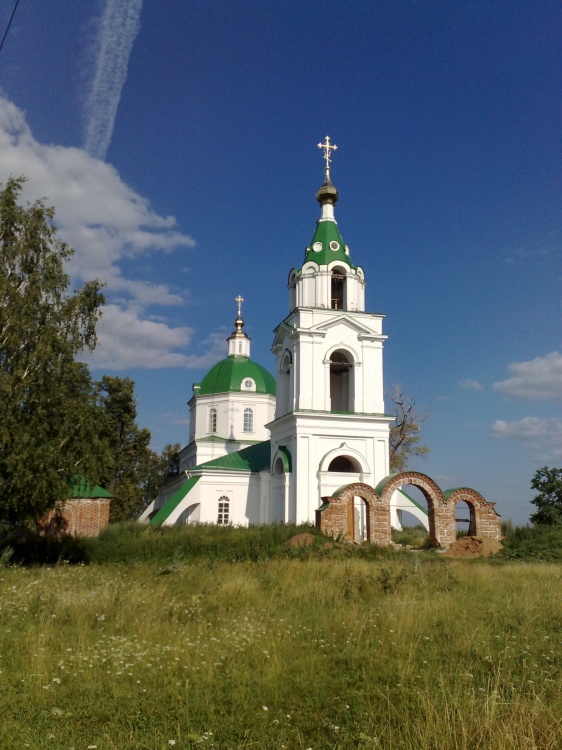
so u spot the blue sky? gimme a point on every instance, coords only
(177, 142)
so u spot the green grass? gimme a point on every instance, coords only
(412, 536)
(397, 652)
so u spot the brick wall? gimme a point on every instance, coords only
(87, 517)
(336, 519)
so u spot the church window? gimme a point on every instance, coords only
(342, 465)
(239, 346)
(212, 420)
(340, 382)
(223, 518)
(248, 420)
(338, 289)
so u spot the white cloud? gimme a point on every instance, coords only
(104, 220)
(125, 340)
(471, 384)
(542, 436)
(215, 350)
(118, 29)
(540, 378)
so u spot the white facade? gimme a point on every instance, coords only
(326, 426)
(240, 417)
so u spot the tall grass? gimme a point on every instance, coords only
(395, 653)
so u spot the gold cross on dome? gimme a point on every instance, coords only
(327, 146)
(239, 299)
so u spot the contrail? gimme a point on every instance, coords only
(119, 27)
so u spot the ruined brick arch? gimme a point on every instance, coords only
(336, 516)
(431, 492)
(484, 521)
(358, 489)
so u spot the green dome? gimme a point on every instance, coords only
(229, 375)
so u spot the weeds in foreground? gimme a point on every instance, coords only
(397, 652)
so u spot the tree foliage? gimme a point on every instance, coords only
(132, 471)
(161, 466)
(47, 402)
(548, 483)
(129, 458)
(405, 434)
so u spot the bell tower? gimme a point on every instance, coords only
(330, 428)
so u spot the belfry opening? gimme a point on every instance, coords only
(340, 382)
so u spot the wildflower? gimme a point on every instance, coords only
(265, 708)
(171, 742)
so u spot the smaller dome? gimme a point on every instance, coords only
(229, 375)
(327, 193)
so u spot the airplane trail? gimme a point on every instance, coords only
(119, 26)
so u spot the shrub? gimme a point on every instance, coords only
(533, 543)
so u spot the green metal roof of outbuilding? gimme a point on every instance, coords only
(229, 374)
(82, 489)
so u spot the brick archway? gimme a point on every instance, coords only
(335, 516)
(433, 496)
(484, 521)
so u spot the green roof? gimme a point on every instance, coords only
(414, 502)
(253, 458)
(167, 509)
(321, 250)
(81, 488)
(229, 374)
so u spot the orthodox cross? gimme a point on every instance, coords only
(327, 146)
(239, 299)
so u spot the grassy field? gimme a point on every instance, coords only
(405, 651)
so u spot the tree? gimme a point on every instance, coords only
(132, 470)
(548, 483)
(47, 403)
(161, 467)
(405, 435)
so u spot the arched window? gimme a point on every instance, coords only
(341, 397)
(212, 420)
(278, 467)
(248, 420)
(342, 464)
(223, 517)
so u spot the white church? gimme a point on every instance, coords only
(312, 439)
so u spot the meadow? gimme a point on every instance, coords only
(313, 651)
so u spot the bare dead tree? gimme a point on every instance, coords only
(405, 434)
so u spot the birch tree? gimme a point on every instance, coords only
(47, 402)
